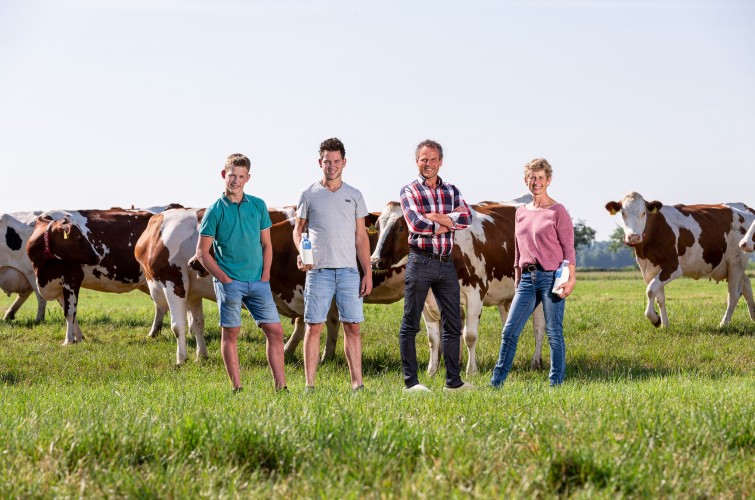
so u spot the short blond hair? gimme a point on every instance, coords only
(538, 164)
(237, 160)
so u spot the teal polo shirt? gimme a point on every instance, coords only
(235, 231)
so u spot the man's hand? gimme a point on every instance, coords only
(366, 286)
(301, 266)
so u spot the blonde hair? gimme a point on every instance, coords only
(237, 160)
(539, 164)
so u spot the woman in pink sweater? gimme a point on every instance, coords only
(544, 239)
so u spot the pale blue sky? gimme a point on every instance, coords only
(125, 102)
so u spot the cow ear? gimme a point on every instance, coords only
(654, 206)
(613, 207)
(65, 226)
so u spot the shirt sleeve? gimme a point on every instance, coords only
(565, 232)
(265, 221)
(302, 208)
(461, 215)
(209, 225)
(417, 223)
(361, 206)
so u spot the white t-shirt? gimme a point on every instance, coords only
(331, 220)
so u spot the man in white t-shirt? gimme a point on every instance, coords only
(333, 213)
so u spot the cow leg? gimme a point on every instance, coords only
(41, 307)
(747, 292)
(471, 332)
(654, 291)
(161, 307)
(69, 301)
(431, 316)
(538, 326)
(10, 314)
(196, 325)
(734, 282)
(178, 314)
(296, 337)
(333, 325)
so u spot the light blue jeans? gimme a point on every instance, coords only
(534, 288)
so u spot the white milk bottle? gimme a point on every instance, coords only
(307, 258)
(562, 276)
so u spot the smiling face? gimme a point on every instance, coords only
(537, 182)
(332, 164)
(235, 179)
(429, 163)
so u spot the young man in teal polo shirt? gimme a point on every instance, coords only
(237, 228)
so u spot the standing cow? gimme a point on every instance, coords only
(91, 249)
(177, 281)
(16, 271)
(695, 241)
(483, 255)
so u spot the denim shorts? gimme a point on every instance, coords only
(322, 285)
(255, 295)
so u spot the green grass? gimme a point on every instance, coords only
(644, 411)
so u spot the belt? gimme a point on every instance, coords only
(431, 255)
(531, 268)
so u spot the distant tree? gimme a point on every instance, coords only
(616, 241)
(584, 235)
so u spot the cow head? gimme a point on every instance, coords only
(635, 212)
(747, 243)
(392, 247)
(61, 240)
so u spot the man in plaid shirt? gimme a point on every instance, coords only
(433, 210)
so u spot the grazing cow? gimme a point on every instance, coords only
(87, 248)
(16, 271)
(695, 241)
(177, 281)
(483, 255)
(747, 243)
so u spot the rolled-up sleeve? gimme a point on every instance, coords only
(418, 224)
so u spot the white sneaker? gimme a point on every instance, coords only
(466, 386)
(417, 388)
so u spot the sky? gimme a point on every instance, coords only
(138, 102)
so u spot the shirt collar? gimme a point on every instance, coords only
(228, 202)
(423, 181)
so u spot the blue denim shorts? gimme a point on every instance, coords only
(255, 295)
(322, 285)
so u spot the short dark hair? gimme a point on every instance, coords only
(430, 144)
(332, 144)
(238, 160)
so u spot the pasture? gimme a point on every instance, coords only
(643, 411)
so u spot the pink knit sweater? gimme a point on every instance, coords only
(544, 236)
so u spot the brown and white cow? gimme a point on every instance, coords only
(747, 243)
(91, 249)
(483, 255)
(179, 282)
(16, 271)
(695, 241)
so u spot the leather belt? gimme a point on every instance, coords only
(431, 255)
(530, 268)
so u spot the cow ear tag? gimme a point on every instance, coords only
(372, 230)
(65, 234)
(613, 211)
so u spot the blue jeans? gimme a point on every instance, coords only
(320, 287)
(534, 288)
(423, 274)
(255, 295)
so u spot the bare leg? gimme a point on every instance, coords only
(352, 347)
(274, 350)
(230, 353)
(311, 352)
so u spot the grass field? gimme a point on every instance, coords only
(644, 412)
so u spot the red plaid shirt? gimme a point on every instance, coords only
(418, 199)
